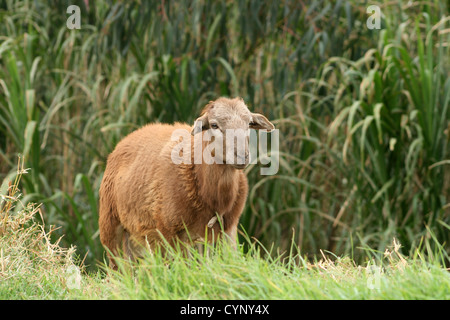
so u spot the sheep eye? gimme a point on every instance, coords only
(214, 126)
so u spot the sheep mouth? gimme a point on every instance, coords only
(239, 166)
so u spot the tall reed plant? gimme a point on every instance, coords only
(363, 114)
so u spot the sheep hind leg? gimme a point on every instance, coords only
(111, 233)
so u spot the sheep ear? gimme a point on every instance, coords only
(261, 122)
(200, 124)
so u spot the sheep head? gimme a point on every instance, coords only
(226, 122)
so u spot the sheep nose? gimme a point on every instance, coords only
(242, 160)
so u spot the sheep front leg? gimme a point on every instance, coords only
(231, 235)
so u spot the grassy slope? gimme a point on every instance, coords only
(234, 275)
(238, 276)
(34, 267)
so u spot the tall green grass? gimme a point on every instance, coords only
(224, 273)
(374, 165)
(363, 114)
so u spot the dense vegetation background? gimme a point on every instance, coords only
(363, 114)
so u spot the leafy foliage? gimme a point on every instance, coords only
(363, 114)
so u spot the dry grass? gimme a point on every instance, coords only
(27, 253)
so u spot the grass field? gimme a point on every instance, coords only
(229, 274)
(33, 267)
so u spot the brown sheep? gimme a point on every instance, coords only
(145, 195)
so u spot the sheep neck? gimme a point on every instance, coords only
(217, 186)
